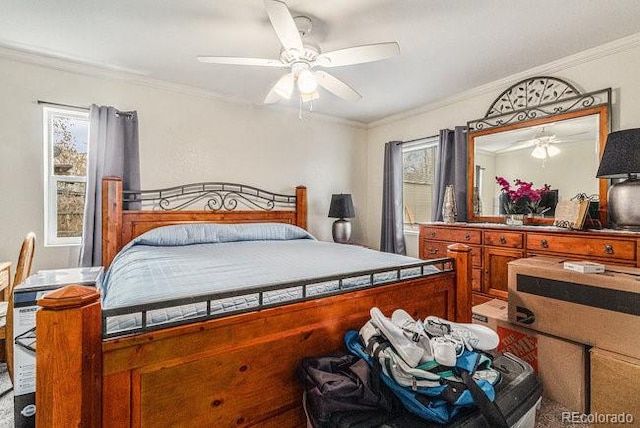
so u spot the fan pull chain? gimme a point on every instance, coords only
(300, 108)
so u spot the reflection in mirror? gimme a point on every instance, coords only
(563, 154)
(541, 130)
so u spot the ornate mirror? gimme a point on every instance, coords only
(540, 130)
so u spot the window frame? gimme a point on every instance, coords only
(415, 145)
(51, 238)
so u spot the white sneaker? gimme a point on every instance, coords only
(414, 331)
(446, 350)
(473, 336)
(410, 352)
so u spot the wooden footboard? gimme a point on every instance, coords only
(238, 370)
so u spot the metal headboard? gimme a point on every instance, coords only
(213, 196)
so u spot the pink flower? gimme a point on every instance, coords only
(524, 193)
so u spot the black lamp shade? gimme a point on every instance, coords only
(341, 206)
(621, 155)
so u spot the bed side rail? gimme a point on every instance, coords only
(259, 297)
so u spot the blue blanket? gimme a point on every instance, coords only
(197, 259)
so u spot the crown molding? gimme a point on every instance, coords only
(78, 66)
(588, 55)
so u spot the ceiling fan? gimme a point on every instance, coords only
(543, 142)
(302, 60)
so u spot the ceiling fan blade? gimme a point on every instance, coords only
(283, 24)
(230, 60)
(336, 86)
(358, 54)
(282, 89)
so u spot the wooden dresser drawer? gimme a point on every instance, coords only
(453, 235)
(602, 248)
(503, 239)
(436, 249)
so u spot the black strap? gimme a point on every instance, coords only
(489, 410)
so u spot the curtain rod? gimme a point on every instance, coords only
(118, 113)
(62, 105)
(418, 139)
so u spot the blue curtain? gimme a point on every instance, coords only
(392, 236)
(451, 169)
(113, 151)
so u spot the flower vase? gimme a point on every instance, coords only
(449, 210)
(477, 202)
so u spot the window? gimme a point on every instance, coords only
(66, 134)
(418, 178)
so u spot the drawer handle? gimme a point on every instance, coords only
(433, 251)
(608, 249)
(503, 240)
(544, 243)
(433, 234)
(467, 237)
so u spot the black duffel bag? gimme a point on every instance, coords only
(340, 382)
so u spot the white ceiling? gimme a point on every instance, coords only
(447, 46)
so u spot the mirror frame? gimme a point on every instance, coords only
(525, 104)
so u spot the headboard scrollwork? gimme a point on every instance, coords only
(213, 196)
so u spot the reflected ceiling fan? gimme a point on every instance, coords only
(302, 60)
(543, 143)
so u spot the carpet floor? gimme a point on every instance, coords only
(6, 401)
(549, 415)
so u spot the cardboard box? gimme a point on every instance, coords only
(614, 385)
(601, 310)
(560, 364)
(25, 296)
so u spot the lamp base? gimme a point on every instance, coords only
(624, 204)
(341, 231)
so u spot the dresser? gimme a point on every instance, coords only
(494, 245)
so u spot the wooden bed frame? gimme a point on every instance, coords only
(238, 370)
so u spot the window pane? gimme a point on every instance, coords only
(70, 208)
(418, 178)
(69, 145)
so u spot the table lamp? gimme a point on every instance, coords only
(621, 159)
(341, 208)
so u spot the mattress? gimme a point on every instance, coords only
(186, 261)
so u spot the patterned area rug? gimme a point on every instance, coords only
(549, 415)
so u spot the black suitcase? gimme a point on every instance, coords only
(517, 392)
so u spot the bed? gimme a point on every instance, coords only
(225, 356)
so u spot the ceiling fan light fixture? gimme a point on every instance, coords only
(307, 83)
(312, 96)
(552, 150)
(539, 152)
(284, 87)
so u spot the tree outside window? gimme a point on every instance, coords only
(66, 142)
